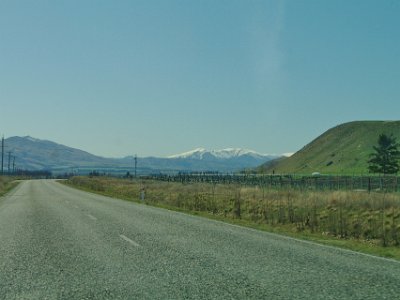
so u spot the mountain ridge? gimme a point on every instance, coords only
(226, 153)
(38, 154)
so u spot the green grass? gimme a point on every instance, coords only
(343, 150)
(368, 223)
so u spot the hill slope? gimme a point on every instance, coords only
(36, 154)
(344, 149)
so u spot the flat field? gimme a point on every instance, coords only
(357, 220)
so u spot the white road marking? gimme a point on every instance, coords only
(129, 240)
(92, 217)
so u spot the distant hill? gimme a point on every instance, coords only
(36, 154)
(344, 149)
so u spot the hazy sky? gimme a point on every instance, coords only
(117, 78)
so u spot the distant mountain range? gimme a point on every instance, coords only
(36, 154)
(229, 153)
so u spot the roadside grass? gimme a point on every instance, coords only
(359, 221)
(7, 184)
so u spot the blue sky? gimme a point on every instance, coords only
(117, 78)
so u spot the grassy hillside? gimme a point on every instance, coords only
(344, 149)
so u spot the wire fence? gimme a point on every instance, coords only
(322, 182)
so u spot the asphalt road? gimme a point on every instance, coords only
(60, 243)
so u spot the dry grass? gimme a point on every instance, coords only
(6, 184)
(348, 215)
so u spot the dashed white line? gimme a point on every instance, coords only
(92, 217)
(129, 240)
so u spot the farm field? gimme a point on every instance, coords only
(364, 221)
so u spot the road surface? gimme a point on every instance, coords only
(61, 243)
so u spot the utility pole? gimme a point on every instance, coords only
(14, 164)
(2, 156)
(9, 162)
(135, 165)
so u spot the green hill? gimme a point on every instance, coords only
(344, 149)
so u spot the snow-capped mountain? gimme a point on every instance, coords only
(225, 160)
(228, 153)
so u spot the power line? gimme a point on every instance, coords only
(135, 165)
(9, 161)
(2, 155)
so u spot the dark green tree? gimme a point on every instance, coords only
(385, 159)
